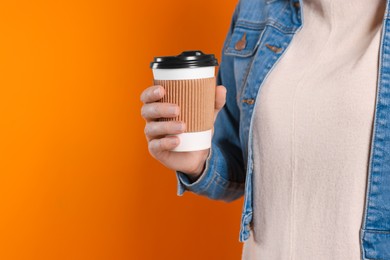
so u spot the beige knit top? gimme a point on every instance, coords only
(311, 137)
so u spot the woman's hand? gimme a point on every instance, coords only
(160, 145)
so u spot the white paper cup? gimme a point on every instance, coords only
(192, 87)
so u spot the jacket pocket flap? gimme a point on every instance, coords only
(376, 244)
(243, 42)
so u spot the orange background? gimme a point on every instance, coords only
(76, 178)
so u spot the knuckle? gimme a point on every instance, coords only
(156, 110)
(177, 126)
(164, 127)
(167, 127)
(160, 128)
(163, 144)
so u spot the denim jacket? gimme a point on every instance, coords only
(267, 28)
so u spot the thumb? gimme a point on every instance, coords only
(220, 99)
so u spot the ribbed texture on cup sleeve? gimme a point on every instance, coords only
(196, 99)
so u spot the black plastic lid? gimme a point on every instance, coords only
(187, 59)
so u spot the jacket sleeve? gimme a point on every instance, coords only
(224, 175)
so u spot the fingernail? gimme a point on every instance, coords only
(156, 92)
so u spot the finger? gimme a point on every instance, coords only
(157, 146)
(152, 94)
(220, 99)
(155, 129)
(158, 110)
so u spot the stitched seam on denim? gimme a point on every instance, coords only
(270, 21)
(232, 52)
(283, 28)
(246, 24)
(247, 195)
(225, 184)
(191, 186)
(222, 181)
(280, 14)
(362, 251)
(207, 185)
(234, 191)
(375, 130)
(271, 1)
(375, 258)
(244, 81)
(365, 231)
(282, 31)
(382, 232)
(251, 56)
(250, 65)
(244, 87)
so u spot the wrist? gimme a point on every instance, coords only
(194, 175)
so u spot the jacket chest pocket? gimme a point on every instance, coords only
(243, 45)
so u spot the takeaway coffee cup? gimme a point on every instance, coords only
(189, 81)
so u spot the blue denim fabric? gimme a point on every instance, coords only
(229, 166)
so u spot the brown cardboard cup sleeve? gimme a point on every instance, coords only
(196, 99)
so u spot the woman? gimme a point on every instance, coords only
(304, 134)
